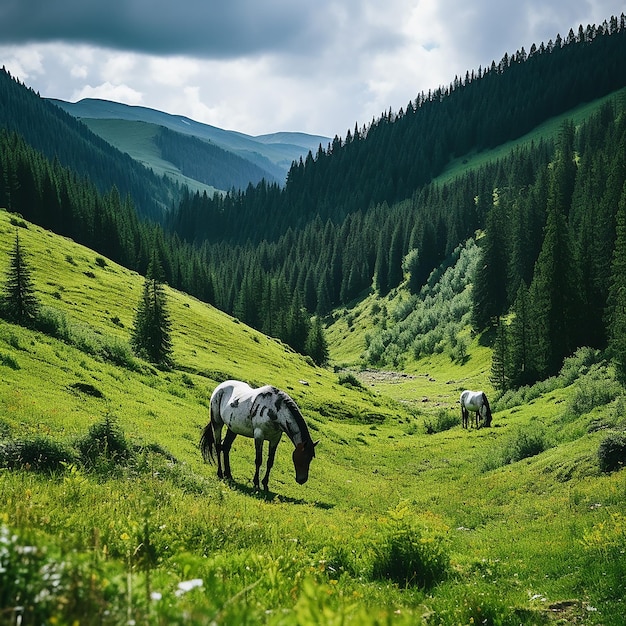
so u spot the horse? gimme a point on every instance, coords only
(475, 401)
(263, 414)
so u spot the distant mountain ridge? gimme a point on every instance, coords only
(273, 154)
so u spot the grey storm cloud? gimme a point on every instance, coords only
(202, 28)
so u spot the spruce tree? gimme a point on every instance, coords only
(316, 346)
(150, 336)
(616, 309)
(522, 370)
(553, 295)
(489, 290)
(500, 359)
(19, 303)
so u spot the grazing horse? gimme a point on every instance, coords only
(263, 414)
(476, 402)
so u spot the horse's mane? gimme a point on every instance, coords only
(297, 415)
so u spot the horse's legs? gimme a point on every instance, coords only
(226, 445)
(464, 415)
(258, 459)
(270, 463)
(217, 438)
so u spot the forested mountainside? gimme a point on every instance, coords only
(59, 136)
(397, 154)
(211, 164)
(273, 256)
(273, 153)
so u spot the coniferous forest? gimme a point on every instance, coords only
(366, 209)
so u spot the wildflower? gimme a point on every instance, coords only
(188, 585)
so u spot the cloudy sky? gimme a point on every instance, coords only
(261, 66)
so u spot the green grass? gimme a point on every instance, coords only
(394, 526)
(137, 139)
(545, 131)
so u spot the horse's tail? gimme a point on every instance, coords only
(207, 443)
(488, 416)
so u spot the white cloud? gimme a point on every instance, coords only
(109, 91)
(316, 68)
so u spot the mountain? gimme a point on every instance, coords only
(266, 156)
(370, 211)
(63, 139)
(108, 509)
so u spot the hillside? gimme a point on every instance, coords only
(405, 517)
(265, 156)
(63, 139)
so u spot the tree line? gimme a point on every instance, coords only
(151, 333)
(358, 215)
(56, 198)
(551, 277)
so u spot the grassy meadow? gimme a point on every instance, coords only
(406, 517)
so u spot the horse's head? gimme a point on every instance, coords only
(302, 456)
(487, 410)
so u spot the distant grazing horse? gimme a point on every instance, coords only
(263, 414)
(476, 402)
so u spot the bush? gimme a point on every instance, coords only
(444, 420)
(523, 442)
(350, 380)
(612, 452)
(406, 556)
(39, 454)
(104, 446)
(594, 389)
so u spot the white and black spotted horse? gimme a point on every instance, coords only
(475, 402)
(263, 414)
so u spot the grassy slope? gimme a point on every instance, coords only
(137, 140)
(518, 535)
(514, 533)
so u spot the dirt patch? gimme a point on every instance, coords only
(372, 377)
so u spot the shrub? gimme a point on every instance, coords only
(444, 420)
(593, 389)
(39, 454)
(104, 446)
(612, 452)
(523, 442)
(406, 555)
(350, 380)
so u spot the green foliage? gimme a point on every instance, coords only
(38, 453)
(428, 322)
(409, 554)
(521, 443)
(442, 421)
(18, 302)
(592, 390)
(573, 368)
(105, 446)
(350, 380)
(612, 452)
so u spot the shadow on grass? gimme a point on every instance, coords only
(271, 496)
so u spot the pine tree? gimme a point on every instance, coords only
(616, 309)
(316, 346)
(500, 359)
(19, 303)
(553, 296)
(521, 360)
(489, 291)
(150, 336)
